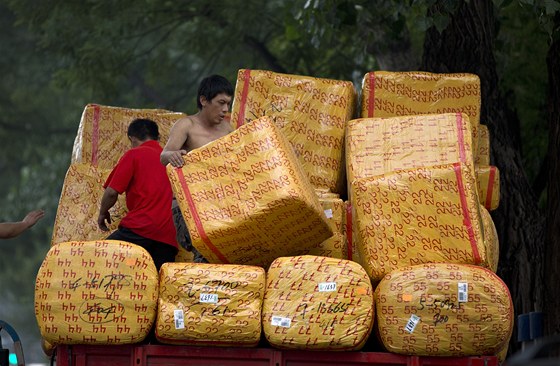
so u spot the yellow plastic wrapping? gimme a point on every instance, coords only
(377, 146)
(482, 153)
(102, 135)
(78, 206)
(335, 211)
(418, 216)
(210, 304)
(246, 199)
(311, 112)
(491, 241)
(444, 310)
(317, 303)
(488, 184)
(96, 292)
(389, 94)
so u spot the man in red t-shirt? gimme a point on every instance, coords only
(139, 173)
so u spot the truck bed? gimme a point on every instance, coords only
(170, 355)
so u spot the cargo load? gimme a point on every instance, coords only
(102, 134)
(210, 304)
(417, 216)
(488, 185)
(311, 112)
(96, 292)
(78, 206)
(246, 199)
(317, 303)
(444, 310)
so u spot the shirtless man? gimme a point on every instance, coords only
(214, 97)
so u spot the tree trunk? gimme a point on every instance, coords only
(552, 243)
(466, 45)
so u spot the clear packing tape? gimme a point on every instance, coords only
(317, 303)
(311, 112)
(420, 216)
(246, 199)
(96, 292)
(444, 310)
(210, 304)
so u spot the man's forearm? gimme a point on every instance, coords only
(12, 229)
(108, 200)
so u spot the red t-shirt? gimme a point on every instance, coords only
(140, 174)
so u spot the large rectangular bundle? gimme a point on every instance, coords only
(78, 206)
(390, 94)
(417, 216)
(443, 310)
(96, 292)
(210, 304)
(317, 303)
(488, 184)
(377, 146)
(311, 112)
(246, 199)
(102, 135)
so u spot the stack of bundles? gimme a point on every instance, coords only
(311, 112)
(390, 94)
(100, 142)
(412, 183)
(210, 304)
(246, 199)
(102, 135)
(96, 292)
(317, 303)
(335, 211)
(444, 310)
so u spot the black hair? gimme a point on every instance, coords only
(211, 86)
(143, 129)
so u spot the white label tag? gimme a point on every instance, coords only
(462, 292)
(412, 323)
(179, 319)
(209, 298)
(327, 286)
(328, 213)
(281, 322)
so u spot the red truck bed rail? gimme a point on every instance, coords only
(144, 355)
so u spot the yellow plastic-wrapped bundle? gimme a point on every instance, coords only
(210, 304)
(389, 94)
(96, 292)
(377, 146)
(78, 206)
(482, 153)
(488, 185)
(102, 135)
(246, 199)
(419, 216)
(443, 310)
(311, 112)
(491, 241)
(317, 303)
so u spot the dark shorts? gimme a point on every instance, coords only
(160, 252)
(183, 236)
